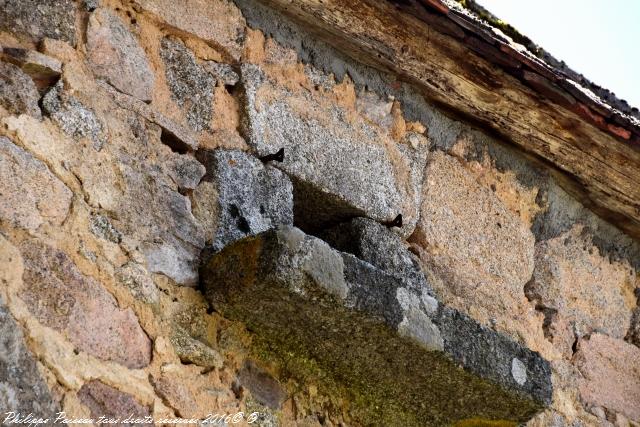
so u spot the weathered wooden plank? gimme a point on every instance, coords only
(605, 169)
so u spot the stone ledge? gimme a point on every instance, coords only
(392, 345)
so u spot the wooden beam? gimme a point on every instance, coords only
(605, 171)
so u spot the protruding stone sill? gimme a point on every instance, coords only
(378, 332)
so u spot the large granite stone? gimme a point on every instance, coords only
(22, 388)
(341, 165)
(584, 290)
(18, 93)
(393, 346)
(63, 298)
(31, 194)
(116, 55)
(252, 197)
(37, 19)
(610, 371)
(190, 83)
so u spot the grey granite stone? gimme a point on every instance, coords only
(223, 73)
(252, 197)
(190, 84)
(18, 93)
(364, 326)
(37, 19)
(22, 388)
(340, 168)
(117, 57)
(74, 118)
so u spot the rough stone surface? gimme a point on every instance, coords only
(203, 19)
(634, 331)
(116, 55)
(37, 19)
(585, 291)
(137, 279)
(611, 374)
(186, 171)
(341, 166)
(22, 388)
(18, 93)
(74, 118)
(481, 254)
(190, 84)
(263, 387)
(222, 72)
(43, 69)
(284, 284)
(61, 297)
(380, 246)
(31, 194)
(252, 197)
(110, 403)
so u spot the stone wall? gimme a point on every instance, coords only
(161, 256)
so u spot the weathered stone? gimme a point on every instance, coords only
(102, 227)
(173, 134)
(252, 197)
(22, 388)
(380, 246)
(18, 93)
(191, 350)
(633, 336)
(74, 118)
(611, 374)
(43, 69)
(587, 291)
(37, 19)
(480, 251)
(117, 57)
(341, 165)
(137, 279)
(223, 73)
(110, 403)
(61, 297)
(186, 171)
(263, 387)
(219, 22)
(31, 194)
(362, 325)
(190, 84)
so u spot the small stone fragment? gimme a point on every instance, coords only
(110, 403)
(102, 227)
(18, 93)
(191, 350)
(31, 195)
(43, 69)
(137, 279)
(223, 73)
(186, 171)
(116, 55)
